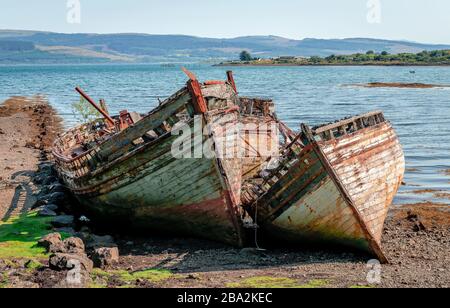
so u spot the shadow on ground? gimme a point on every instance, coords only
(23, 199)
(190, 256)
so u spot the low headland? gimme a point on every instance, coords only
(39, 233)
(370, 58)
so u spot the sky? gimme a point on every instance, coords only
(426, 21)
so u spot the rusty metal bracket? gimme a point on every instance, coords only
(198, 99)
(99, 109)
(188, 73)
(230, 78)
(195, 90)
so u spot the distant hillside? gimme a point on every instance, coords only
(53, 47)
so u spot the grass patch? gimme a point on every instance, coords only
(316, 283)
(19, 236)
(33, 265)
(361, 287)
(153, 275)
(3, 281)
(274, 283)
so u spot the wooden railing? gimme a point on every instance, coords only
(348, 126)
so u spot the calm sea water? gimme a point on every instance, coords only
(312, 95)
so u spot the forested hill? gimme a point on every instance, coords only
(47, 47)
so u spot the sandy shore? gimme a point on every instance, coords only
(27, 129)
(416, 238)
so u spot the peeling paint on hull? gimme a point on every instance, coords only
(334, 191)
(371, 166)
(131, 177)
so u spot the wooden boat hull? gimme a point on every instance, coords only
(333, 191)
(371, 166)
(143, 184)
(153, 190)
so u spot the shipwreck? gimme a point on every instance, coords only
(332, 183)
(123, 169)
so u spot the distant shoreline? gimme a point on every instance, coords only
(333, 65)
(370, 58)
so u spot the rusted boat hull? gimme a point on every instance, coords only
(335, 191)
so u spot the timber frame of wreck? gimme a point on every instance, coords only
(332, 183)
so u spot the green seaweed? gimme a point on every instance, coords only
(4, 281)
(152, 275)
(33, 265)
(314, 284)
(362, 287)
(19, 236)
(276, 282)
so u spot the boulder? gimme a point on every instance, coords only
(56, 198)
(51, 207)
(93, 241)
(67, 230)
(49, 180)
(68, 262)
(50, 240)
(39, 203)
(46, 168)
(62, 221)
(105, 257)
(45, 212)
(57, 188)
(74, 245)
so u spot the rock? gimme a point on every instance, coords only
(45, 167)
(51, 207)
(32, 145)
(413, 217)
(74, 245)
(57, 188)
(85, 229)
(64, 262)
(105, 257)
(193, 277)
(50, 180)
(93, 241)
(50, 240)
(39, 203)
(39, 179)
(62, 221)
(75, 279)
(45, 212)
(56, 198)
(66, 230)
